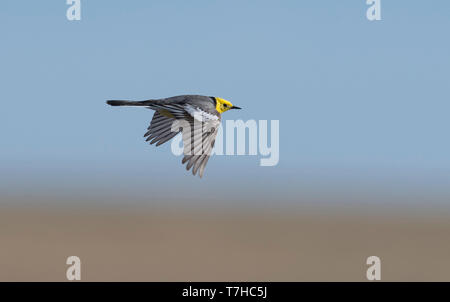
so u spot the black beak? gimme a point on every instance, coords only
(235, 107)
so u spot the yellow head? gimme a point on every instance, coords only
(223, 105)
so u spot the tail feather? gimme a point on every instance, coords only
(127, 103)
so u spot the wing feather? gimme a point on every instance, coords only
(202, 144)
(160, 129)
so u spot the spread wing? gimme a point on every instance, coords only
(198, 144)
(199, 130)
(160, 129)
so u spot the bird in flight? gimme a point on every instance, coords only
(197, 117)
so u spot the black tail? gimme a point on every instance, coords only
(127, 103)
(120, 103)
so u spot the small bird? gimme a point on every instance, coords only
(197, 117)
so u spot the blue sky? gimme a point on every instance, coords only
(360, 103)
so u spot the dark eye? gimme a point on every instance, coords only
(225, 105)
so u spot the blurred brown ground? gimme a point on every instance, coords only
(144, 244)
